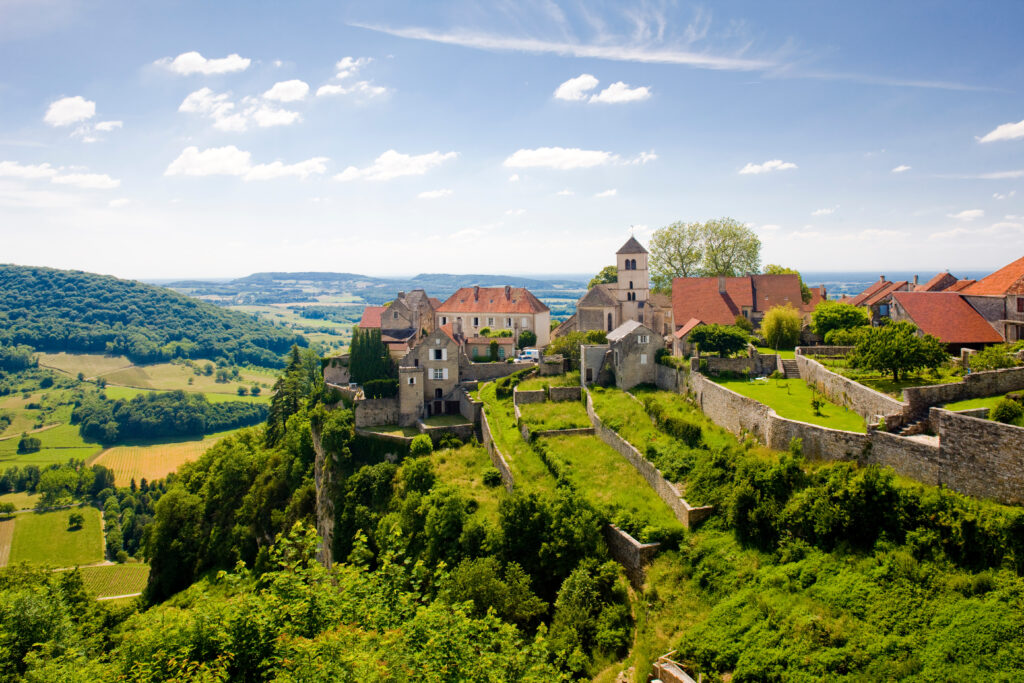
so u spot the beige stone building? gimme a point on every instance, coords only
(607, 306)
(428, 376)
(629, 356)
(402, 322)
(471, 309)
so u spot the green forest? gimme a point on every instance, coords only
(62, 310)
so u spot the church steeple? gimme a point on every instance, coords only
(631, 262)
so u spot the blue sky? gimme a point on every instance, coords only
(192, 139)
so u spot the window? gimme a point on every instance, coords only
(444, 320)
(476, 322)
(643, 359)
(526, 323)
(416, 362)
(437, 393)
(610, 328)
(631, 284)
(1020, 304)
(645, 339)
(508, 322)
(439, 373)
(412, 380)
(394, 316)
(438, 354)
(490, 322)
(501, 352)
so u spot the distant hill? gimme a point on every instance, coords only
(68, 310)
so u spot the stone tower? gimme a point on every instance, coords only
(631, 261)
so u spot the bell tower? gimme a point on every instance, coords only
(631, 261)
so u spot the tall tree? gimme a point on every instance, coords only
(287, 398)
(675, 252)
(608, 275)
(722, 246)
(897, 348)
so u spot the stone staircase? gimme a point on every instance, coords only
(919, 426)
(790, 369)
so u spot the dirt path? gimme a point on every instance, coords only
(118, 597)
(6, 536)
(32, 431)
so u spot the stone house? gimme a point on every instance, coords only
(516, 309)
(999, 298)
(428, 376)
(633, 347)
(945, 315)
(479, 348)
(403, 321)
(607, 306)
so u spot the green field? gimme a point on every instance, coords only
(154, 459)
(115, 579)
(115, 392)
(883, 382)
(986, 402)
(550, 415)
(787, 354)
(791, 398)
(608, 480)
(527, 468)
(570, 379)
(21, 500)
(445, 421)
(59, 444)
(44, 538)
(92, 365)
(464, 468)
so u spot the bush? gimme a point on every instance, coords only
(527, 338)
(381, 388)
(76, 520)
(844, 337)
(492, 477)
(834, 315)
(1007, 411)
(781, 327)
(744, 324)
(421, 445)
(684, 430)
(29, 444)
(993, 358)
(450, 441)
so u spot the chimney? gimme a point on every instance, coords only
(401, 295)
(508, 292)
(476, 292)
(915, 281)
(721, 284)
(881, 278)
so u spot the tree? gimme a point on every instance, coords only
(369, 357)
(527, 338)
(898, 349)
(76, 520)
(568, 345)
(29, 444)
(724, 340)
(773, 269)
(781, 327)
(608, 275)
(835, 315)
(722, 246)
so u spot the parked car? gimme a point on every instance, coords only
(530, 355)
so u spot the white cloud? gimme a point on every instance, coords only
(107, 126)
(575, 89)
(804, 234)
(266, 117)
(769, 227)
(620, 92)
(392, 164)
(118, 203)
(975, 232)
(227, 117)
(1004, 195)
(560, 158)
(87, 181)
(902, 168)
(287, 91)
(607, 193)
(767, 167)
(364, 88)
(467, 233)
(565, 193)
(514, 178)
(967, 214)
(12, 169)
(232, 161)
(350, 66)
(188, 63)
(515, 212)
(1007, 131)
(68, 110)
(434, 194)
(643, 158)
(824, 212)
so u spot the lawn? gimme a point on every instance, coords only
(154, 459)
(44, 538)
(115, 579)
(883, 382)
(464, 468)
(676, 405)
(569, 379)
(393, 430)
(791, 398)
(22, 500)
(789, 354)
(986, 402)
(173, 376)
(527, 468)
(551, 415)
(445, 421)
(59, 444)
(608, 480)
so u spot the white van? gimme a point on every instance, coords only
(530, 354)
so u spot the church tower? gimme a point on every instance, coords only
(631, 261)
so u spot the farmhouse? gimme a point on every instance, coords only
(516, 309)
(945, 315)
(999, 297)
(428, 376)
(607, 306)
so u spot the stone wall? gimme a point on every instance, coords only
(689, 516)
(521, 398)
(485, 372)
(757, 364)
(867, 403)
(730, 410)
(469, 408)
(336, 370)
(828, 351)
(389, 438)
(345, 391)
(633, 555)
(974, 385)
(981, 458)
(436, 433)
(497, 457)
(371, 412)
(917, 459)
(552, 365)
(592, 359)
(565, 393)
(670, 379)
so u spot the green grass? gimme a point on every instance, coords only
(115, 579)
(464, 468)
(884, 383)
(22, 500)
(675, 405)
(569, 379)
(551, 415)
(393, 430)
(789, 354)
(791, 398)
(445, 421)
(986, 402)
(59, 444)
(117, 392)
(527, 468)
(607, 480)
(44, 538)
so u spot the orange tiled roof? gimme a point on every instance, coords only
(939, 283)
(685, 329)
(371, 317)
(499, 300)
(1007, 280)
(699, 297)
(960, 285)
(818, 294)
(873, 288)
(884, 292)
(948, 316)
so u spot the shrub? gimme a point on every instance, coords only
(29, 444)
(844, 337)
(450, 441)
(492, 477)
(744, 324)
(781, 327)
(75, 521)
(684, 430)
(421, 445)
(527, 338)
(993, 358)
(1007, 411)
(834, 315)
(381, 388)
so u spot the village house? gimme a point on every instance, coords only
(878, 296)
(629, 357)
(428, 376)
(403, 321)
(607, 306)
(945, 315)
(720, 300)
(516, 309)
(999, 297)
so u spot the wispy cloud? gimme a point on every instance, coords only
(346, 70)
(607, 193)
(1004, 195)
(75, 178)
(967, 214)
(560, 158)
(434, 194)
(824, 212)
(767, 167)
(232, 161)
(902, 168)
(392, 164)
(995, 228)
(1007, 131)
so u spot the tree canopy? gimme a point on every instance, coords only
(836, 315)
(780, 327)
(608, 275)
(721, 246)
(898, 349)
(724, 340)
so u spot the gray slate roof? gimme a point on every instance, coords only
(623, 330)
(631, 247)
(598, 296)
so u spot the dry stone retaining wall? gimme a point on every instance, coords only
(633, 555)
(565, 393)
(376, 411)
(867, 403)
(670, 379)
(497, 457)
(521, 398)
(484, 372)
(974, 385)
(980, 457)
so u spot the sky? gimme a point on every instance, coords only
(199, 139)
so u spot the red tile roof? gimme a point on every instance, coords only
(449, 329)
(884, 292)
(939, 283)
(818, 294)
(434, 302)
(499, 300)
(1007, 280)
(685, 329)
(371, 317)
(960, 285)
(872, 289)
(699, 297)
(948, 316)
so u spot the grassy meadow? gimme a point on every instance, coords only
(58, 445)
(22, 500)
(791, 398)
(44, 538)
(464, 468)
(527, 468)
(551, 415)
(569, 379)
(6, 536)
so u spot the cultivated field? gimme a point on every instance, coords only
(153, 460)
(116, 392)
(59, 444)
(44, 538)
(91, 365)
(115, 579)
(6, 536)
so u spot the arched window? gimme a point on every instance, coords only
(632, 264)
(609, 322)
(631, 284)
